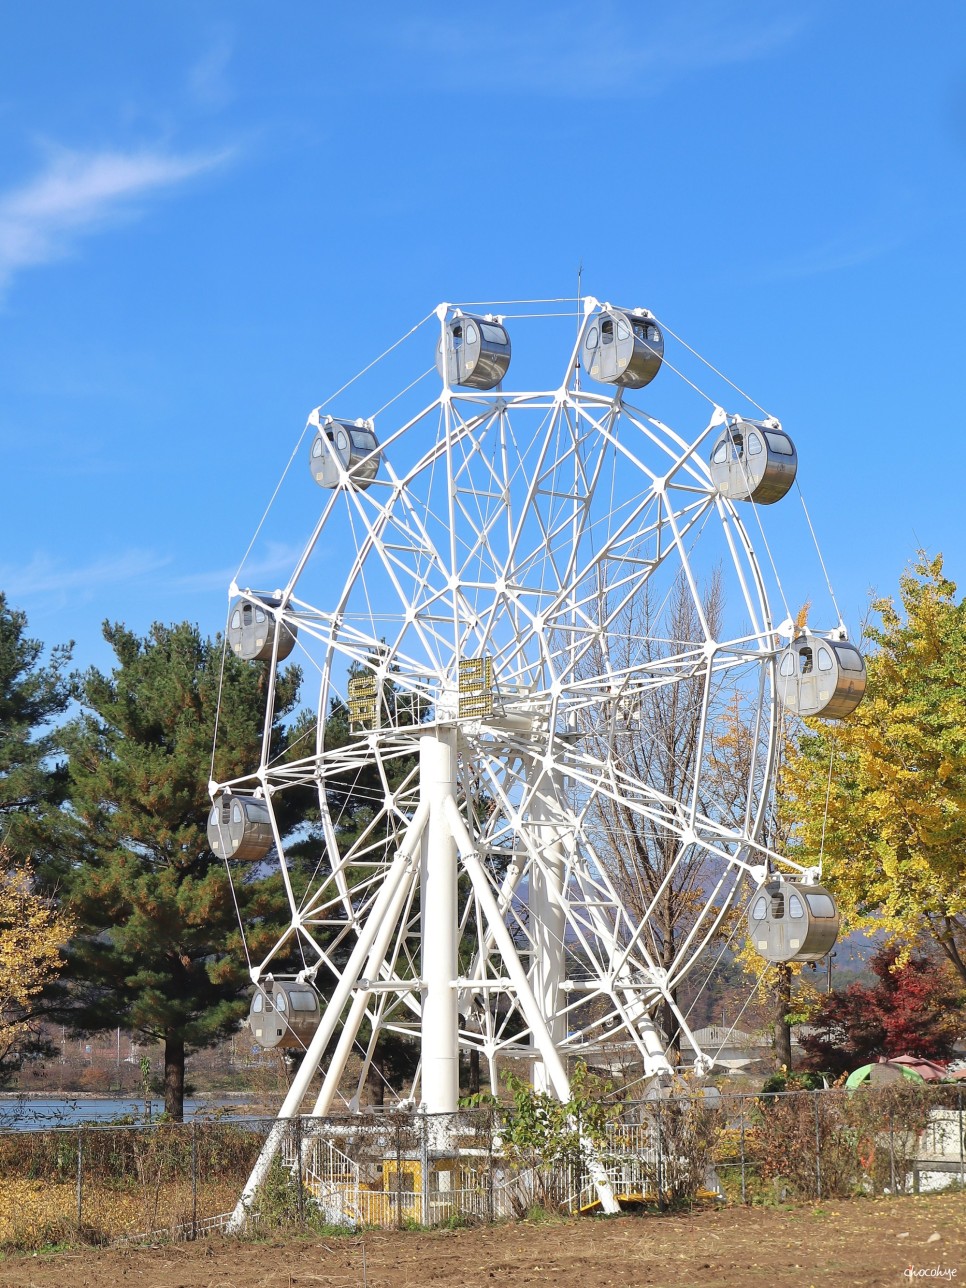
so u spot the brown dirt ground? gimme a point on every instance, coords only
(862, 1242)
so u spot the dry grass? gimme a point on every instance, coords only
(36, 1213)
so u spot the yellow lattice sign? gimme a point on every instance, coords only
(362, 702)
(475, 687)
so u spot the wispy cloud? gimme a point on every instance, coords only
(47, 576)
(891, 220)
(271, 569)
(609, 48)
(208, 81)
(78, 194)
(832, 256)
(51, 578)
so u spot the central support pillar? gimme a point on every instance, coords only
(439, 931)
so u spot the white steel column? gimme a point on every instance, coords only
(438, 927)
(547, 920)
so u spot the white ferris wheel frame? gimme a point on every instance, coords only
(519, 779)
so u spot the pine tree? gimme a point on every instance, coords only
(33, 695)
(159, 950)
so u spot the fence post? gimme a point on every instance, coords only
(299, 1186)
(489, 1171)
(399, 1215)
(892, 1151)
(818, 1146)
(660, 1160)
(194, 1178)
(424, 1170)
(744, 1194)
(80, 1179)
(962, 1133)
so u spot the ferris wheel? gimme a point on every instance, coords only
(539, 625)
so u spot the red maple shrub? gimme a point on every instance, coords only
(914, 1009)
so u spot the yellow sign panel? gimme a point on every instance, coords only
(362, 702)
(475, 688)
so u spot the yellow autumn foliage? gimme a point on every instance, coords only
(32, 933)
(881, 796)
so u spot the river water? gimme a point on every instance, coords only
(26, 1113)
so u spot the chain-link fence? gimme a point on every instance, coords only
(398, 1170)
(98, 1183)
(895, 1139)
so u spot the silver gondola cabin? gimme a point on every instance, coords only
(251, 630)
(754, 461)
(623, 347)
(343, 445)
(477, 352)
(821, 677)
(284, 1014)
(239, 827)
(789, 921)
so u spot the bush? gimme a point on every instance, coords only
(687, 1129)
(886, 1124)
(804, 1140)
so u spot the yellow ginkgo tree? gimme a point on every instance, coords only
(32, 932)
(881, 796)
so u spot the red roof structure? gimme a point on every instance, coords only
(928, 1070)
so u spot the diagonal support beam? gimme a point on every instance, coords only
(542, 1038)
(387, 926)
(400, 869)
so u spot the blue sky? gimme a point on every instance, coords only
(212, 215)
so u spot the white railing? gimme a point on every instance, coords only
(180, 1230)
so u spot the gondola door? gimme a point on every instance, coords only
(608, 349)
(737, 474)
(808, 678)
(625, 349)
